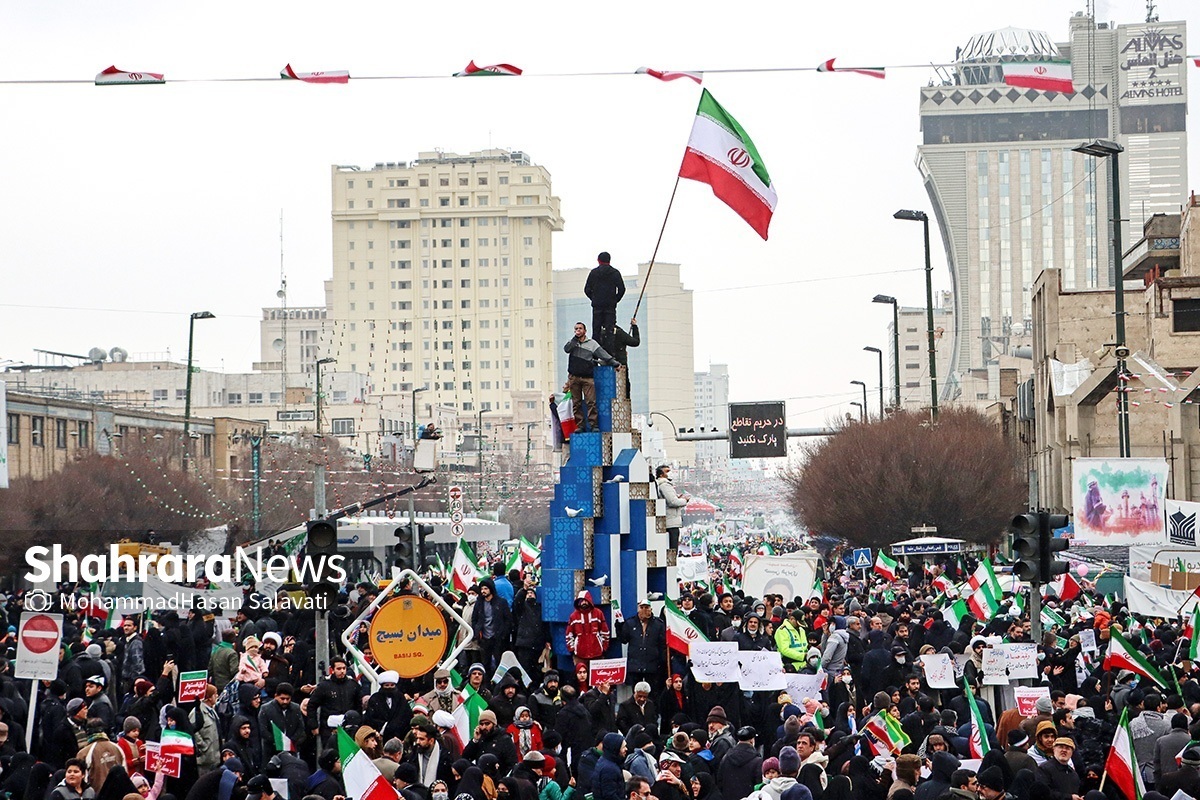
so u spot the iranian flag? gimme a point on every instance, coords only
(766, 549)
(283, 742)
(173, 741)
(1049, 76)
(984, 602)
(942, 584)
(873, 72)
(887, 731)
(956, 612)
(1194, 638)
(1122, 655)
(466, 715)
(563, 412)
(361, 777)
(1122, 766)
(336, 76)
(985, 574)
(1052, 619)
(979, 742)
(735, 562)
(492, 69)
(681, 631)
(466, 571)
(885, 565)
(1064, 587)
(670, 75)
(818, 588)
(512, 560)
(530, 553)
(720, 153)
(115, 77)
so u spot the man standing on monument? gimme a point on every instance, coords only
(605, 287)
(584, 354)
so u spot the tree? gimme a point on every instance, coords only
(872, 483)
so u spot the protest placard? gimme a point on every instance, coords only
(606, 670)
(995, 666)
(1027, 697)
(761, 670)
(1021, 659)
(1087, 640)
(939, 671)
(715, 662)
(802, 686)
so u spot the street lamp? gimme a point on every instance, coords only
(864, 391)
(1102, 148)
(861, 410)
(320, 361)
(922, 217)
(883, 298)
(879, 353)
(187, 394)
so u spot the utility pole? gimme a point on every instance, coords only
(321, 653)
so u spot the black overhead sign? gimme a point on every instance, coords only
(757, 430)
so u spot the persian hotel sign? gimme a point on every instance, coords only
(1152, 64)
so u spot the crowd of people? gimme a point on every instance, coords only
(269, 722)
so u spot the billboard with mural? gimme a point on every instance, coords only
(1119, 501)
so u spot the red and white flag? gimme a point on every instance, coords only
(1049, 76)
(670, 75)
(492, 69)
(1121, 765)
(114, 77)
(337, 76)
(873, 72)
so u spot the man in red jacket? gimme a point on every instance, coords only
(587, 630)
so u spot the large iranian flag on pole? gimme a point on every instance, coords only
(360, 775)
(681, 631)
(978, 741)
(885, 565)
(1194, 639)
(1122, 655)
(721, 154)
(466, 715)
(1122, 764)
(465, 568)
(530, 553)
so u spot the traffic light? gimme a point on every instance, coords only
(1034, 545)
(1026, 547)
(404, 555)
(322, 544)
(423, 553)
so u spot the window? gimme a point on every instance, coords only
(912, 384)
(529, 343)
(339, 396)
(84, 429)
(37, 431)
(255, 399)
(463, 180)
(1187, 315)
(370, 184)
(181, 394)
(529, 241)
(343, 427)
(912, 365)
(529, 281)
(464, 222)
(529, 302)
(443, 180)
(447, 242)
(159, 395)
(14, 429)
(463, 201)
(443, 201)
(465, 283)
(529, 363)
(275, 397)
(423, 182)
(465, 304)
(234, 398)
(60, 434)
(464, 242)
(504, 180)
(912, 347)
(350, 204)
(526, 179)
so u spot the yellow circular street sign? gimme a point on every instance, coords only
(408, 635)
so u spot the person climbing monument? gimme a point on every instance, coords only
(605, 287)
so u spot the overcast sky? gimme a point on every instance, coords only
(126, 208)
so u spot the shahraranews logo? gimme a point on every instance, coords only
(51, 564)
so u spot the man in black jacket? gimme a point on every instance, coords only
(741, 768)
(621, 342)
(646, 636)
(605, 287)
(337, 694)
(491, 738)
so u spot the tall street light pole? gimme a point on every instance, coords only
(879, 353)
(864, 391)
(922, 217)
(187, 393)
(862, 411)
(1102, 148)
(321, 361)
(883, 298)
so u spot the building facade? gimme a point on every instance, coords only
(1009, 194)
(661, 372)
(914, 352)
(712, 413)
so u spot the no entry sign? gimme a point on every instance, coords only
(38, 639)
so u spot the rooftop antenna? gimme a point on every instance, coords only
(1151, 11)
(282, 295)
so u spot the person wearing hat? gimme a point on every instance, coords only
(640, 761)
(1043, 743)
(1058, 771)
(218, 783)
(720, 735)
(282, 714)
(546, 701)
(1016, 752)
(100, 755)
(489, 737)
(646, 636)
(388, 710)
(1043, 712)
(741, 768)
(668, 783)
(1186, 777)
(259, 788)
(587, 630)
(251, 667)
(991, 784)
(442, 696)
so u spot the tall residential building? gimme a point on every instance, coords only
(1010, 196)
(441, 282)
(712, 411)
(914, 352)
(660, 370)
